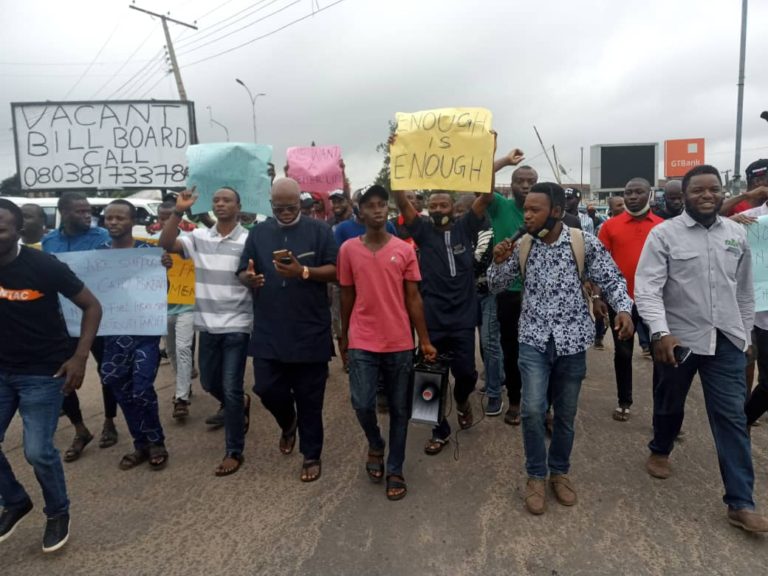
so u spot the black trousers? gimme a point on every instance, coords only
(293, 391)
(71, 404)
(508, 309)
(622, 358)
(758, 401)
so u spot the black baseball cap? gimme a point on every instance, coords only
(757, 169)
(573, 193)
(365, 194)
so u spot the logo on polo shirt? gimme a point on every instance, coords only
(732, 243)
(20, 295)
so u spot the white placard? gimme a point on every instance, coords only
(112, 144)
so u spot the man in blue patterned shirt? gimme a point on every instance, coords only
(555, 331)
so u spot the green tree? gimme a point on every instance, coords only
(382, 178)
(11, 186)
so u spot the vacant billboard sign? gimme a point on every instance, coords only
(108, 144)
(613, 165)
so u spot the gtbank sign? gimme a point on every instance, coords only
(682, 155)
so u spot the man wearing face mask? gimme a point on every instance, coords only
(555, 332)
(448, 291)
(572, 201)
(624, 237)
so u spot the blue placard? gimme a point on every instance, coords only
(757, 237)
(130, 284)
(237, 165)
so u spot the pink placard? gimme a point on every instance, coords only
(315, 168)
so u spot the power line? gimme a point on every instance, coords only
(120, 69)
(262, 36)
(153, 86)
(215, 27)
(153, 60)
(212, 10)
(85, 72)
(242, 27)
(142, 80)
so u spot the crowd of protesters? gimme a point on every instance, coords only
(540, 280)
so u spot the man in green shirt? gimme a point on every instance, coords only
(506, 216)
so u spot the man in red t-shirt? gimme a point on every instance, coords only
(379, 276)
(624, 236)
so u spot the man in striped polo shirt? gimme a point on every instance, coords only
(223, 311)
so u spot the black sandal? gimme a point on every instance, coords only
(435, 445)
(222, 471)
(158, 456)
(305, 476)
(393, 484)
(78, 445)
(375, 468)
(133, 459)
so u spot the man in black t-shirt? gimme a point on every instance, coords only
(450, 299)
(36, 369)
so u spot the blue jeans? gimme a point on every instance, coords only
(565, 373)
(38, 400)
(491, 345)
(395, 369)
(222, 360)
(725, 391)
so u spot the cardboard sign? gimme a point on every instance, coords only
(130, 284)
(112, 144)
(446, 149)
(757, 238)
(682, 155)
(316, 168)
(181, 277)
(237, 165)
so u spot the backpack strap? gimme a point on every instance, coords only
(524, 250)
(578, 249)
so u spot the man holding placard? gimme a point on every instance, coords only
(37, 367)
(130, 362)
(286, 264)
(223, 312)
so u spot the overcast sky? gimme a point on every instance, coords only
(583, 71)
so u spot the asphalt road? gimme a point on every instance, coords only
(463, 514)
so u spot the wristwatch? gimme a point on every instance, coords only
(305, 273)
(656, 336)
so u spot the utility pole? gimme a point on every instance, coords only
(169, 44)
(740, 104)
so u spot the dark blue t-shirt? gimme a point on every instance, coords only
(446, 260)
(353, 229)
(291, 316)
(56, 241)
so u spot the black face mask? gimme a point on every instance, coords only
(439, 219)
(544, 230)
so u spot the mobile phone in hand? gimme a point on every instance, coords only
(681, 354)
(283, 256)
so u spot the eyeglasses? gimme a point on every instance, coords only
(280, 208)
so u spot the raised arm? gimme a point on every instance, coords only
(169, 237)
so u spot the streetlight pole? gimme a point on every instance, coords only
(740, 99)
(210, 116)
(253, 105)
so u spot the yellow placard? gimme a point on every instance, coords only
(445, 149)
(181, 277)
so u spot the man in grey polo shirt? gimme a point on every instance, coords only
(223, 311)
(693, 286)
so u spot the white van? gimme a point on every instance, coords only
(146, 211)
